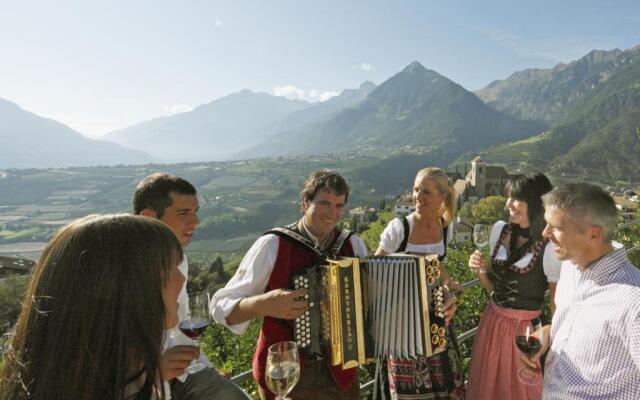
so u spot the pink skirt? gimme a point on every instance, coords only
(495, 359)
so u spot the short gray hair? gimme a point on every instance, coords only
(586, 204)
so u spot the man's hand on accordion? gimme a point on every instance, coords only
(284, 303)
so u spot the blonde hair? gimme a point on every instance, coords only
(442, 182)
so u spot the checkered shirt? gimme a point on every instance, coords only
(595, 333)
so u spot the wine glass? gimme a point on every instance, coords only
(529, 339)
(283, 368)
(196, 324)
(481, 235)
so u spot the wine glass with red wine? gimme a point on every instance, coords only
(529, 339)
(196, 324)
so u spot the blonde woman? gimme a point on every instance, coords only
(426, 230)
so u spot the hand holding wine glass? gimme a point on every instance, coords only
(480, 239)
(529, 337)
(283, 368)
(196, 324)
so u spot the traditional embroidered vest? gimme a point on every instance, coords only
(293, 256)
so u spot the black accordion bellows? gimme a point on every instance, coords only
(362, 309)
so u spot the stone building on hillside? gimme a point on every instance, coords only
(403, 205)
(481, 181)
(360, 217)
(627, 208)
(462, 231)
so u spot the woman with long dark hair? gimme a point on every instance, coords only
(522, 267)
(93, 316)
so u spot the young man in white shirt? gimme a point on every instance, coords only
(173, 200)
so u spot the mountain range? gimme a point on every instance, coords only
(549, 94)
(210, 132)
(596, 134)
(578, 118)
(416, 108)
(30, 141)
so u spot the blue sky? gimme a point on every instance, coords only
(103, 65)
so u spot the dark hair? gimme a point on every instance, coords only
(154, 192)
(322, 180)
(93, 316)
(587, 205)
(529, 188)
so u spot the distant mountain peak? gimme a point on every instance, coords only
(243, 93)
(549, 94)
(31, 141)
(367, 85)
(415, 67)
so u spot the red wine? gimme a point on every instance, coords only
(193, 327)
(528, 347)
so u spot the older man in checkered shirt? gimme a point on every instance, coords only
(595, 332)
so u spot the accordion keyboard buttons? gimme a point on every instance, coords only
(303, 322)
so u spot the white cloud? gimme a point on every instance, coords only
(366, 67)
(289, 91)
(293, 93)
(324, 96)
(176, 109)
(217, 23)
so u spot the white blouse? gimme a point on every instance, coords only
(393, 234)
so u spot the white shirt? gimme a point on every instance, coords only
(595, 333)
(550, 263)
(252, 277)
(393, 234)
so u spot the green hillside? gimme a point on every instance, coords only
(596, 139)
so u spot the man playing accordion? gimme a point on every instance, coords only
(259, 289)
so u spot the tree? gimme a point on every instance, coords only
(465, 211)
(489, 210)
(371, 235)
(12, 291)
(383, 204)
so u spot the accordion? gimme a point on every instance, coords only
(363, 309)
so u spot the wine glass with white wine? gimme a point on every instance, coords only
(481, 234)
(283, 368)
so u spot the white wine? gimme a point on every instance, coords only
(282, 377)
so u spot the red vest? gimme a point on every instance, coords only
(292, 257)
